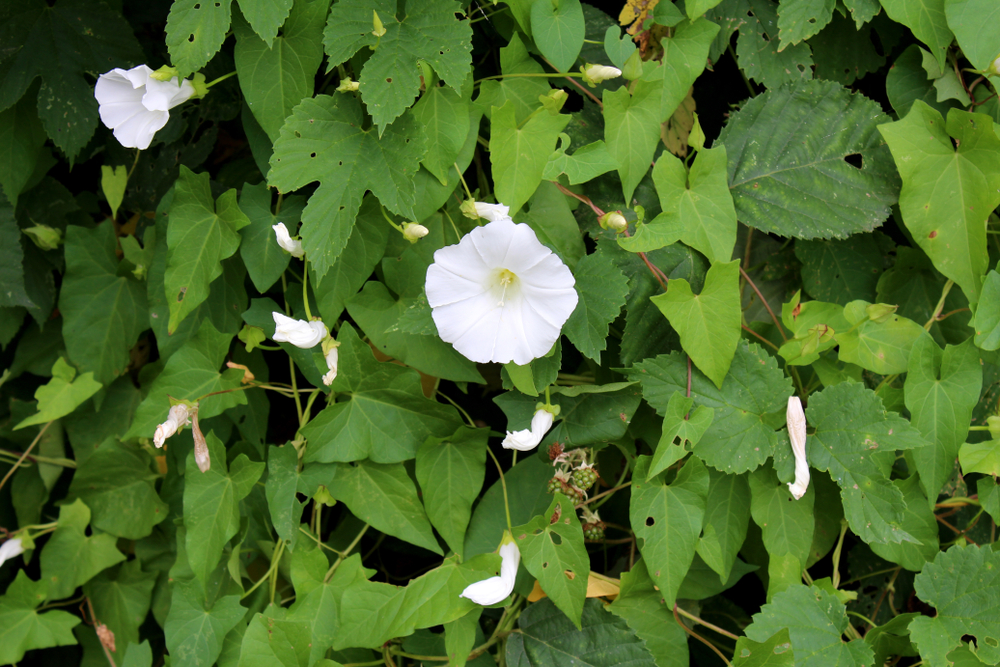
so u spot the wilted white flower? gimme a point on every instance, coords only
(298, 332)
(491, 212)
(13, 548)
(797, 434)
(331, 363)
(529, 438)
(293, 246)
(594, 74)
(496, 589)
(413, 232)
(177, 416)
(135, 105)
(201, 455)
(499, 294)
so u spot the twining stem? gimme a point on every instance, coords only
(461, 177)
(940, 305)
(457, 407)
(93, 617)
(345, 554)
(305, 289)
(273, 568)
(836, 554)
(699, 637)
(770, 312)
(220, 79)
(503, 483)
(604, 493)
(706, 624)
(25, 454)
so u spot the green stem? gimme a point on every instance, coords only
(385, 215)
(305, 289)
(39, 437)
(308, 409)
(458, 235)
(940, 305)
(503, 483)
(345, 554)
(220, 79)
(836, 553)
(465, 185)
(544, 75)
(279, 549)
(457, 407)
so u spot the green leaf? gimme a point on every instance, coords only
(65, 45)
(840, 271)
(918, 521)
(264, 258)
(547, 638)
(668, 518)
(103, 313)
(855, 441)
(697, 207)
(550, 216)
(776, 651)
(190, 373)
(619, 49)
(708, 323)
(389, 79)
(275, 641)
(21, 140)
(276, 75)
(70, 558)
(845, 49)
(201, 234)
(519, 151)
(881, 347)
(987, 322)
(641, 605)
(727, 514)
(740, 437)
(267, 16)
(941, 389)
(23, 629)
(558, 29)
(809, 190)
(907, 81)
(982, 457)
(323, 141)
(679, 421)
(632, 130)
(11, 260)
(282, 484)
(970, 20)
(926, 18)
(522, 91)
(786, 524)
(586, 163)
(450, 471)
(387, 418)
(948, 192)
(815, 621)
(696, 8)
(195, 32)
(757, 49)
(194, 628)
(62, 395)
(602, 290)
(801, 19)
(685, 54)
(962, 584)
(212, 504)
(385, 497)
(119, 487)
(121, 598)
(138, 655)
(552, 550)
(444, 115)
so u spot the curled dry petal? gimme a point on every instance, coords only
(299, 333)
(331, 364)
(176, 418)
(201, 456)
(529, 438)
(496, 589)
(797, 434)
(106, 636)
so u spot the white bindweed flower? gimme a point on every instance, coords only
(293, 246)
(529, 438)
(331, 363)
(13, 548)
(298, 332)
(177, 417)
(499, 294)
(413, 232)
(496, 589)
(135, 105)
(594, 74)
(491, 212)
(797, 434)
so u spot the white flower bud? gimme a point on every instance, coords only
(796, 420)
(491, 212)
(528, 439)
(348, 86)
(496, 589)
(614, 221)
(11, 549)
(331, 363)
(177, 417)
(298, 332)
(413, 232)
(594, 74)
(293, 246)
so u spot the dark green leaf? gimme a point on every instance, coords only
(194, 628)
(195, 32)
(602, 290)
(641, 605)
(840, 271)
(774, 652)
(121, 598)
(757, 49)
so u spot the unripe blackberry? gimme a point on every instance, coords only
(594, 531)
(584, 477)
(555, 484)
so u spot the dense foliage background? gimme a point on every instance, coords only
(809, 188)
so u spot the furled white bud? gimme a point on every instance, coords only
(797, 434)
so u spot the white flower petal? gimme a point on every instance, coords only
(165, 95)
(796, 421)
(528, 439)
(492, 212)
(496, 589)
(299, 333)
(136, 106)
(331, 363)
(138, 131)
(293, 246)
(13, 548)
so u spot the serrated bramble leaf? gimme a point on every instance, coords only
(941, 389)
(602, 290)
(21, 140)
(948, 192)
(918, 521)
(450, 472)
(668, 518)
(708, 323)
(962, 584)
(801, 19)
(71, 558)
(757, 49)
(840, 271)
(195, 32)
(519, 152)
(267, 16)
(798, 183)
(62, 395)
(390, 79)
(927, 20)
(202, 232)
(22, 628)
(212, 504)
(323, 141)
(855, 441)
(815, 621)
(740, 437)
(558, 29)
(552, 550)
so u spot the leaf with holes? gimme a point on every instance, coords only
(195, 32)
(390, 80)
(553, 551)
(757, 50)
(801, 19)
(948, 191)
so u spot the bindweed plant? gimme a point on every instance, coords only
(523, 333)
